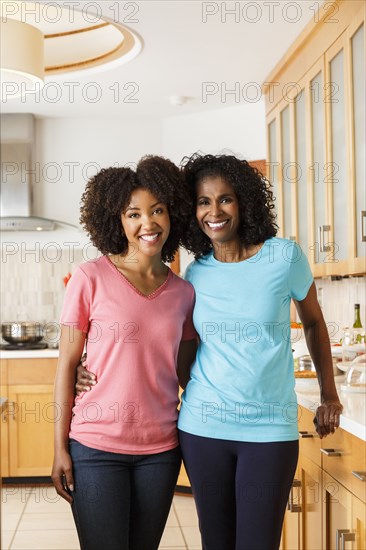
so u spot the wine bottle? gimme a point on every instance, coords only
(357, 323)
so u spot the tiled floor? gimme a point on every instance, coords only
(36, 518)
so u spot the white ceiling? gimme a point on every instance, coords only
(181, 55)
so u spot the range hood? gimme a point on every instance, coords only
(16, 201)
(16, 191)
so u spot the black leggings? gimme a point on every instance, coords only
(240, 489)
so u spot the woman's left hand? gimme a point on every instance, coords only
(327, 417)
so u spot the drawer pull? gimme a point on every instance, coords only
(360, 475)
(291, 505)
(331, 452)
(363, 225)
(305, 435)
(343, 536)
(321, 230)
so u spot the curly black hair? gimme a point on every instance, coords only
(108, 193)
(257, 217)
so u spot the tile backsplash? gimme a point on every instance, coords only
(338, 298)
(32, 286)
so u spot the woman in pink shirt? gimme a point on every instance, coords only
(116, 449)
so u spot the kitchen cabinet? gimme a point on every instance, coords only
(291, 526)
(315, 113)
(329, 510)
(28, 420)
(29, 416)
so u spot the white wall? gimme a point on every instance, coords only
(239, 129)
(91, 144)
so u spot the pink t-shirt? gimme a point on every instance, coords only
(132, 347)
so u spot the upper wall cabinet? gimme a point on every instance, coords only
(315, 109)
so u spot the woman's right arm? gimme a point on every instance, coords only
(71, 347)
(186, 356)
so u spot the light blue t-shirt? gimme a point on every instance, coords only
(242, 381)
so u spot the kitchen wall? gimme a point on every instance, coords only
(240, 130)
(69, 151)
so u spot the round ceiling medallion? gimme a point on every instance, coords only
(78, 41)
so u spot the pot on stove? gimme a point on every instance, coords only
(22, 332)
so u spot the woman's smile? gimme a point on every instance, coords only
(150, 238)
(217, 226)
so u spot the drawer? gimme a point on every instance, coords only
(336, 453)
(309, 439)
(31, 371)
(358, 466)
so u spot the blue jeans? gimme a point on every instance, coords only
(121, 502)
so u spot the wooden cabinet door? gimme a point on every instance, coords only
(315, 106)
(356, 114)
(31, 418)
(290, 539)
(302, 191)
(286, 173)
(358, 524)
(337, 97)
(273, 165)
(311, 505)
(337, 514)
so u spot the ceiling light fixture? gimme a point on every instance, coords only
(51, 44)
(22, 56)
(177, 99)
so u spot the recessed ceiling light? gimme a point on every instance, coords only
(177, 99)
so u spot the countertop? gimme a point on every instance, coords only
(353, 418)
(29, 354)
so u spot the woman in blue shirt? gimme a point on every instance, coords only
(238, 420)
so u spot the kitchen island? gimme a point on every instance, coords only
(327, 504)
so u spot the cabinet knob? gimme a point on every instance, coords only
(331, 452)
(360, 475)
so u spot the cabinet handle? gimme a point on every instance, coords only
(363, 226)
(323, 229)
(304, 434)
(291, 505)
(339, 533)
(331, 452)
(343, 536)
(360, 475)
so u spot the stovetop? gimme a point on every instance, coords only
(24, 346)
